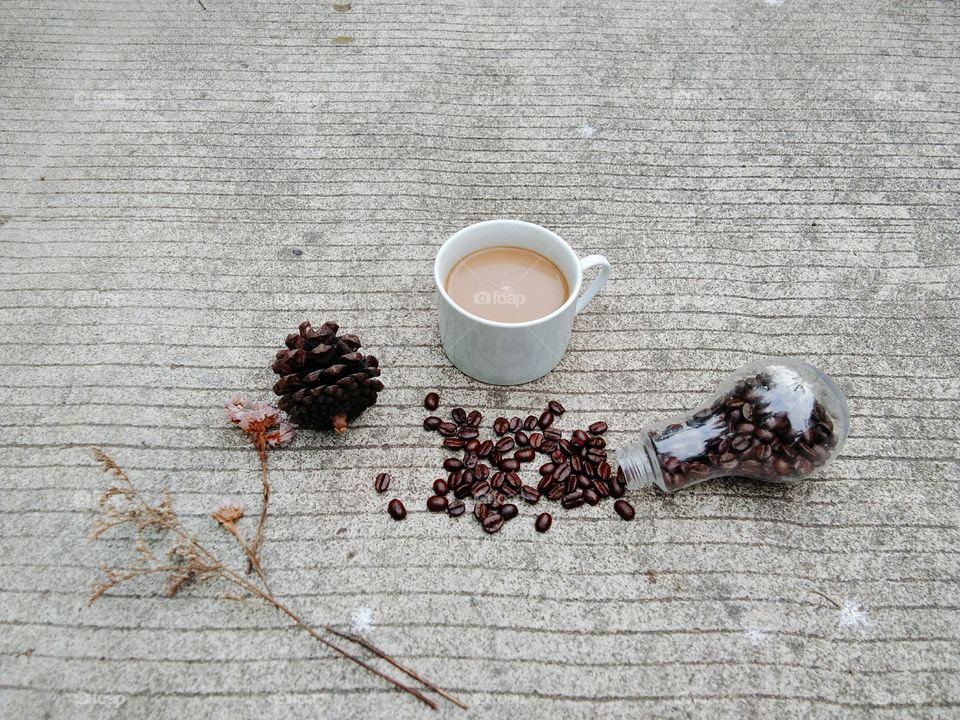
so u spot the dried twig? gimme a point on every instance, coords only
(188, 561)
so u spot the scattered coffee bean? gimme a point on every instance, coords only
(509, 464)
(505, 444)
(536, 440)
(501, 425)
(396, 509)
(447, 429)
(598, 428)
(509, 511)
(474, 418)
(493, 523)
(451, 464)
(382, 482)
(481, 511)
(525, 455)
(486, 447)
(515, 424)
(480, 488)
(572, 499)
(579, 438)
(468, 433)
(431, 401)
(456, 508)
(543, 523)
(459, 415)
(545, 420)
(454, 443)
(530, 422)
(551, 434)
(436, 503)
(624, 509)
(440, 487)
(473, 445)
(530, 495)
(547, 468)
(522, 438)
(556, 408)
(590, 496)
(431, 423)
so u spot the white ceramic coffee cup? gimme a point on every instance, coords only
(511, 353)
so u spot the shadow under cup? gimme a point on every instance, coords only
(506, 353)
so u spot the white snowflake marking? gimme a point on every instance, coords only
(852, 614)
(587, 131)
(755, 635)
(361, 620)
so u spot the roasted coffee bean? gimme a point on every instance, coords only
(501, 425)
(447, 429)
(579, 438)
(596, 456)
(556, 492)
(536, 440)
(746, 411)
(624, 509)
(461, 491)
(454, 443)
(468, 433)
(495, 499)
(509, 490)
(746, 428)
(598, 428)
(473, 445)
(572, 500)
(558, 456)
(481, 470)
(468, 476)
(474, 418)
(590, 496)
(545, 420)
(509, 511)
(492, 523)
(525, 455)
(509, 464)
(459, 415)
(600, 488)
(431, 401)
(567, 447)
(530, 422)
(546, 482)
(454, 479)
(470, 460)
(597, 442)
(497, 480)
(543, 522)
(436, 503)
(396, 509)
(603, 470)
(505, 444)
(552, 434)
(547, 447)
(515, 424)
(440, 487)
(583, 482)
(573, 482)
(556, 408)
(451, 464)
(480, 488)
(481, 511)
(485, 448)
(547, 468)
(522, 438)
(530, 495)
(562, 472)
(382, 482)
(456, 508)
(432, 422)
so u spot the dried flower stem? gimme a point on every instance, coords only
(192, 561)
(261, 445)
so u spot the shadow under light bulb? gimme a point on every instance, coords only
(775, 419)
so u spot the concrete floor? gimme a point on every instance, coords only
(180, 187)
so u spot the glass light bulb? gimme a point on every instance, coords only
(775, 419)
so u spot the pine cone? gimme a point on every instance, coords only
(324, 381)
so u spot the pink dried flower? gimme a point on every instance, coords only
(261, 421)
(285, 432)
(234, 407)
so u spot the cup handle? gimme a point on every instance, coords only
(598, 282)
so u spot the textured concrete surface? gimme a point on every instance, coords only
(180, 186)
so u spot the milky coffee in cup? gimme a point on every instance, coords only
(507, 284)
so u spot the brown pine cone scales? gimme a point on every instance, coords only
(325, 382)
